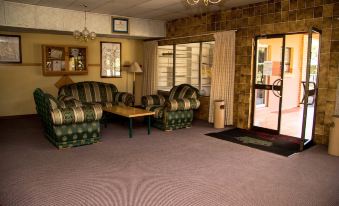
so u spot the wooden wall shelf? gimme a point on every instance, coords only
(59, 60)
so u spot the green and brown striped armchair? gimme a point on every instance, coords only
(176, 111)
(68, 123)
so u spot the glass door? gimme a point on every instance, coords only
(268, 82)
(310, 85)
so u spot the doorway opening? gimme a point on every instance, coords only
(285, 84)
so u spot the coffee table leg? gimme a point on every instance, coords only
(149, 124)
(130, 127)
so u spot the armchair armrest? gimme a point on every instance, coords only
(182, 104)
(124, 98)
(72, 115)
(150, 100)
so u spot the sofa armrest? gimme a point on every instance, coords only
(150, 100)
(182, 104)
(72, 115)
(123, 98)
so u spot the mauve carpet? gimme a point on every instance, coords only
(183, 167)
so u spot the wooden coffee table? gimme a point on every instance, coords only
(130, 113)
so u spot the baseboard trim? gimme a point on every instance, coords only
(24, 116)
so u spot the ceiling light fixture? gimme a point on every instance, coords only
(84, 35)
(206, 2)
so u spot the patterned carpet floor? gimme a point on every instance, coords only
(182, 167)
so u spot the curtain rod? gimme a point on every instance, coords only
(183, 37)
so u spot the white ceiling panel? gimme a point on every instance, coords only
(55, 3)
(91, 4)
(115, 7)
(158, 4)
(152, 9)
(26, 1)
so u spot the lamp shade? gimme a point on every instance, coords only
(135, 67)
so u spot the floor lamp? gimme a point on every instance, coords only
(135, 68)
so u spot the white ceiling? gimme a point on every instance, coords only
(148, 9)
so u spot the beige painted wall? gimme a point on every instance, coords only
(17, 82)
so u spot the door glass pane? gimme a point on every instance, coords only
(266, 115)
(291, 110)
(206, 67)
(165, 67)
(312, 85)
(268, 73)
(268, 67)
(187, 64)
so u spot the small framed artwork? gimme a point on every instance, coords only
(110, 59)
(10, 49)
(120, 25)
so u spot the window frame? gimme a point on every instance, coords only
(174, 63)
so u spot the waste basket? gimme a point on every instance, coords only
(219, 114)
(333, 144)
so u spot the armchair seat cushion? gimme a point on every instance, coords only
(76, 114)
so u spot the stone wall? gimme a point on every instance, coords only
(273, 17)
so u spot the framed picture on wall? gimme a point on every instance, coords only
(110, 59)
(10, 49)
(119, 25)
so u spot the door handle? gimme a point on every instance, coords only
(311, 92)
(275, 83)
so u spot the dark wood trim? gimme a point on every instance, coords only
(35, 64)
(24, 116)
(20, 64)
(94, 65)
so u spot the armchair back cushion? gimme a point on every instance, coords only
(183, 91)
(150, 100)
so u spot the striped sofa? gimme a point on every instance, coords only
(67, 123)
(173, 112)
(90, 92)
